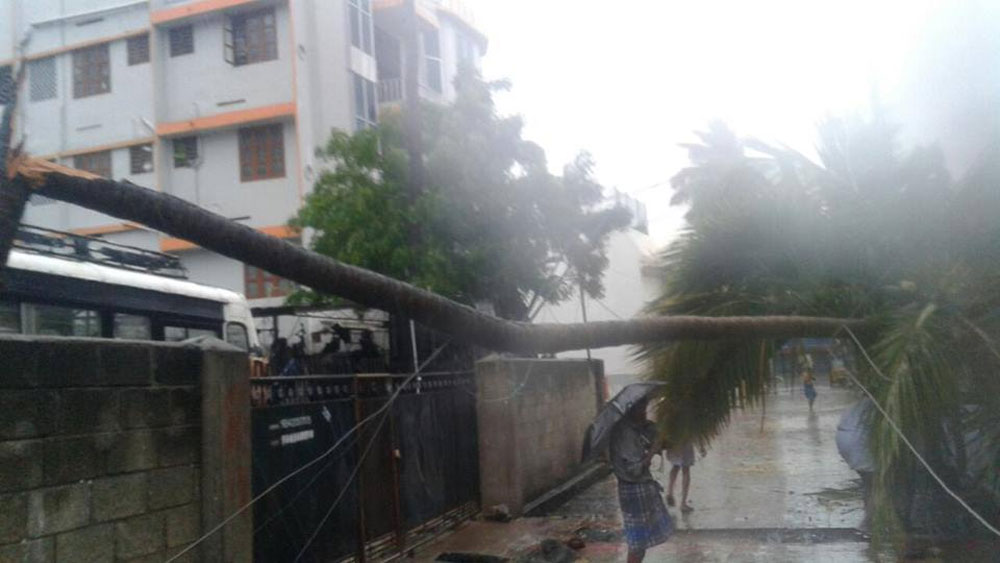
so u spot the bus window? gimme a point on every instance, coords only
(236, 334)
(133, 327)
(10, 317)
(177, 333)
(49, 320)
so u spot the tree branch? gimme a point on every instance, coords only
(182, 219)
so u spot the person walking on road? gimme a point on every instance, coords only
(809, 388)
(681, 459)
(633, 444)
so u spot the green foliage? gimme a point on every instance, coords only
(870, 231)
(491, 224)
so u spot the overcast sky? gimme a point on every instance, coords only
(628, 80)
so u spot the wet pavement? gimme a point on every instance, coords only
(772, 488)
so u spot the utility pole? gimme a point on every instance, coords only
(583, 309)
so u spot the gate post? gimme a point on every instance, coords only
(226, 451)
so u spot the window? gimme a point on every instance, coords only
(361, 24)
(365, 113)
(236, 334)
(96, 162)
(6, 84)
(178, 333)
(37, 200)
(262, 152)
(10, 317)
(61, 321)
(185, 152)
(254, 37)
(259, 284)
(132, 327)
(181, 40)
(432, 59)
(42, 79)
(138, 49)
(141, 158)
(466, 49)
(91, 71)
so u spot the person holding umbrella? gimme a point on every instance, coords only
(633, 443)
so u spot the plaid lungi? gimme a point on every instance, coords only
(647, 522)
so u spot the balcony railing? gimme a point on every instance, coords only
(390, 90)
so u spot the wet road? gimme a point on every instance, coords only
(772, 488)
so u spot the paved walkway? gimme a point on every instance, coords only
(772, 488)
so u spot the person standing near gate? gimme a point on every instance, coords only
(633, 444)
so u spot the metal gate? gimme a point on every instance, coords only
(420, 474)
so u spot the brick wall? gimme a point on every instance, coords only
(100, 449)
(532, 417)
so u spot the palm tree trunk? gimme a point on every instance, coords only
(13, 193)
(179, 218)
(13, 197)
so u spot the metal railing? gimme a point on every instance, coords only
(61, 244)
(390, 90)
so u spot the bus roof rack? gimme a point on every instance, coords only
(82, 248)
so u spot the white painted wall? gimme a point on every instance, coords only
(194, 85)
(211, 269)
(323, 75)
(215, 183)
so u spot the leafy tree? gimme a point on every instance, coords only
(868, 231)
(491, 224)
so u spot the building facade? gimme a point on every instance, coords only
(220, 102)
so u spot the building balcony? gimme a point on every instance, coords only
(390, 90)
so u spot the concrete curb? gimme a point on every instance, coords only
(567, 490)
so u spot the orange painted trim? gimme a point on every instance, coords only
(194, 9)
(107, 229)
(84, 44)
(228, 119)
(180, 245)
(99, 148)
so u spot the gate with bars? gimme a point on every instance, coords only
(408, 474)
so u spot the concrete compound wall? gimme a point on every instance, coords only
(114, 450)
(532, 416)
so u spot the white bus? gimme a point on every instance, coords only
(61, 284)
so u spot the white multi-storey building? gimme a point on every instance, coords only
(220, 102)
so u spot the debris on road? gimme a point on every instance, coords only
(497, 513)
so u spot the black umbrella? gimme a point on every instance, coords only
(613, 411)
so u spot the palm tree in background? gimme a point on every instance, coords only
(867, 231)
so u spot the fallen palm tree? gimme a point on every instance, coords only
(179, 218)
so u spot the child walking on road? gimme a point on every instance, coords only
(809, 388)
(681, 459)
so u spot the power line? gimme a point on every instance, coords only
(343, 491)
(609, 309)
(302, 491)
(902, 437)
(517, 390)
